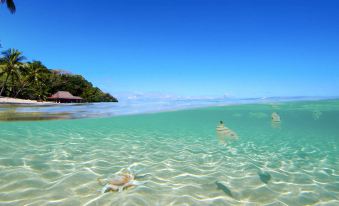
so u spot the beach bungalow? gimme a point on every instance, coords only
(64, 97)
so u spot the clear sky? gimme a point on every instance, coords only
(242, 48)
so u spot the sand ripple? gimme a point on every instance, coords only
(57, 163)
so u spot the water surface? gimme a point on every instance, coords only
(294, 162)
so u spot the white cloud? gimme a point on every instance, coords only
(136, 95)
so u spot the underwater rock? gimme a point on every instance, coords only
(225, 189)
(265, 177)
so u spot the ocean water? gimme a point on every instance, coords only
(124, 107)
(179, 157)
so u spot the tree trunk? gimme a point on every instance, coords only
(12, 91)
(17, 93)
(24, 84)
(3, 85)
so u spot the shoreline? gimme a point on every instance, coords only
(17, 101)
(41, 111)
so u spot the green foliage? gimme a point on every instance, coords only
(32, 80)
(10, 65)
(78, 86)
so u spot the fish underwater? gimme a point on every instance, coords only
(275, 117)
(265, 177)
(276, 121)
(225, 189)
(225, 134)
(316, 114)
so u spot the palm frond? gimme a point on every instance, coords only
(21, 58)
(10, 5)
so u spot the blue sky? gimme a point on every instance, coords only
(189, 48)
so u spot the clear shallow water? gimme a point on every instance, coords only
(124, 107)
(58, 162)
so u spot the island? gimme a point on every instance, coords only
(33, 82)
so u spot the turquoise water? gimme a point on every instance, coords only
(179, 156)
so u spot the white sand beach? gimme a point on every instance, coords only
(9, 100)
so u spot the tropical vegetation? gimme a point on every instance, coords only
(33, 80)
(10, 5)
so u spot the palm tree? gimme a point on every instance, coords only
(33, 72)
(11, 63)
(10, 5)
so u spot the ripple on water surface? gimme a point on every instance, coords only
(178, 156)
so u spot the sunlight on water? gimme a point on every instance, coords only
(179, 156)
(29, 112)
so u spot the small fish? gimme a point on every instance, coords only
(316, 115)
(265, 177)
(275, 117)
(225, 189)
(225, 134)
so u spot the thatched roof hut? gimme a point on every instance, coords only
(64, 97)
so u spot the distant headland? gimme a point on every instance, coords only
(34, 81)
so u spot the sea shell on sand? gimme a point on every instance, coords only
(119, 181)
